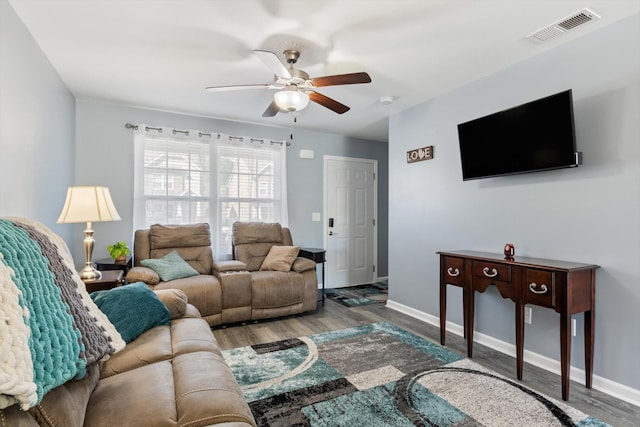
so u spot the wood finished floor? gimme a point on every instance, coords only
(333, 316)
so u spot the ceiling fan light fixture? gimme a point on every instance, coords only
(291, 99)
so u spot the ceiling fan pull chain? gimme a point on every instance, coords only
(295, 120)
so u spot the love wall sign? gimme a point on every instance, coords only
(420, 154)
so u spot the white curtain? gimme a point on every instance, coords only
(184, 177)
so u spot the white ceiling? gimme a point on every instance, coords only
(161, 54)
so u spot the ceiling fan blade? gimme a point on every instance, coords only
(271, 60)
(341, 79)
(325, 101)
(271, 110)
(238, 87)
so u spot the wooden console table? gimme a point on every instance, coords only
(566, 287)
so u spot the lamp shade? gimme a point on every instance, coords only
(291, 99)
(88, 204)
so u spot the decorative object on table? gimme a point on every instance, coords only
(119, 251)
(380, 374)
(88, 204)
(509, 251)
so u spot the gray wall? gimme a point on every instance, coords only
(105, 150)
(588, 214)
(37, 125)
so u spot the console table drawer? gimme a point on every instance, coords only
(453, 271)
(538, 288)
(489, 270)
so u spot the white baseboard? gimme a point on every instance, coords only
(612, 388)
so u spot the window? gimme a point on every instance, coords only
(250, 182)
(183, 179)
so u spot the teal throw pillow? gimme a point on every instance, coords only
(170, 267)
(132, 309)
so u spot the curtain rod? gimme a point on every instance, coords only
(201, 134)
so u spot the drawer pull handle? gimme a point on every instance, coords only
(452, 272)
(534, 285)
(493, 273)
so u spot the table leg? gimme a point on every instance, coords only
(519, 339)
(323, 282)
(470, 308)
(565, 351)
(443, 312)
(589, 335)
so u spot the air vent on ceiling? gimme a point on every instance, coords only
(564, 25)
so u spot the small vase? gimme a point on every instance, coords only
(509, 251)
(121, 259)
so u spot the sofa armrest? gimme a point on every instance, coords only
(228, 266)
(176, 301)
(143, 274)
(301, 265)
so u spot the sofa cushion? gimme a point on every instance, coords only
(192, 242)
(280, 258)
(182, 336)
(143, 274)
(252, 255)
(256, 232)
(195, 389)
(203, 291)
(170, 267)
(271, 289)
(175, 300)
(132, 309)
(301, 265)
(174, 236)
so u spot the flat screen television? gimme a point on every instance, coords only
(531, 137)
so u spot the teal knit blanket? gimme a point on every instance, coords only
(50, 328)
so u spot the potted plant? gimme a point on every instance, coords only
(119, 251)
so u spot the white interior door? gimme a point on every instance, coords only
(350, 213)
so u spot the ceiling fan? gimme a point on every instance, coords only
(295, 87)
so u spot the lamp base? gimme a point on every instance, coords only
(90, 273)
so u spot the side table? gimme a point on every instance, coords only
(111, 264)
(109, 280)
(318, 255)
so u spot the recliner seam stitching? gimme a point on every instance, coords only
(139, 366)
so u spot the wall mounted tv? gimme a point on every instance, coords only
(531, 137)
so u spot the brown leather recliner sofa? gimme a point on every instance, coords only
(274, 293)
(229, 291)
(170, 375)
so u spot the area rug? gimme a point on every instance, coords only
(382, 375)
(354, 296)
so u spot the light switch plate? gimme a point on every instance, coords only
(315, 216)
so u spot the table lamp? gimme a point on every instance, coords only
(88, 204)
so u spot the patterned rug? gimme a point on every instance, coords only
(354, 296)
(382, 375)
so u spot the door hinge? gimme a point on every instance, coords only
(374, 268)
(374, 222)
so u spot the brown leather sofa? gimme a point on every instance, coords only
(274, 293)
(205, 290)
(169, 375)
(229, 291)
